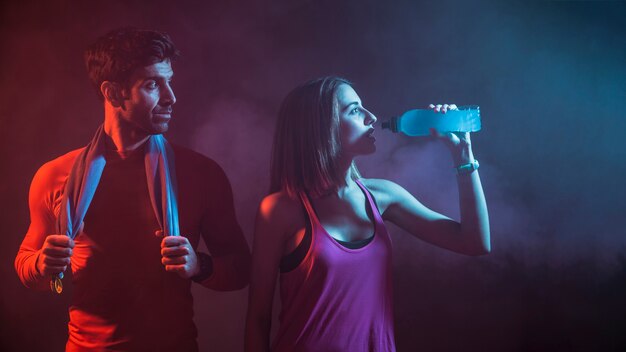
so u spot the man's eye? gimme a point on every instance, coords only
(151, 85)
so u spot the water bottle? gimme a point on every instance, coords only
(419, 122)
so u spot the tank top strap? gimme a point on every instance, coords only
(312, 217)
(373, 206)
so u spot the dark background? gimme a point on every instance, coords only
(550, 78)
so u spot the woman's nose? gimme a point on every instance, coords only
(370, 118)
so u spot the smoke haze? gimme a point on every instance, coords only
(549, 76)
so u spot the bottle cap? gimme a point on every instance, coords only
(391, 124)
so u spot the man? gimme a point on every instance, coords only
(131, 283)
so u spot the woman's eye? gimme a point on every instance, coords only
(355, 111)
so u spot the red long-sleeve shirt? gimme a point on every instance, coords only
(123, 297)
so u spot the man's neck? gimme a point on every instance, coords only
(121, 136)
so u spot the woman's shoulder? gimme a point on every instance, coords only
(281, 209)
(381, 186)
(385, 192)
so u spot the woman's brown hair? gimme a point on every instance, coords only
(307, 146)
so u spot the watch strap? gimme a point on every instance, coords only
(467, 168)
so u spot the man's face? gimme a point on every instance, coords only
(147, 107)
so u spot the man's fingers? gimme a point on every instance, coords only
(174, 251)
(59, 252)
(60, 241)
(174, 260)
(53, 269)
(172, 241)
(179, 268)
(53, 261)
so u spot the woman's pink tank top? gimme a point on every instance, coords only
(338, 299)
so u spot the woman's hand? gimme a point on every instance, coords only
(459, 143)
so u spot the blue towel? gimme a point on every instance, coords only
(86, 172)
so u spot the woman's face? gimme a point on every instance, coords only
(355, 124)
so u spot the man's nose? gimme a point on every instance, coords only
(167, 96)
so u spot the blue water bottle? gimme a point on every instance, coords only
(419, 122)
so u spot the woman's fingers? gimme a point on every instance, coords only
(443, 108)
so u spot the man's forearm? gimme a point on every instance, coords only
(230, 272)
(26, 268)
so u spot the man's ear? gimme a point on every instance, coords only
(113, 93)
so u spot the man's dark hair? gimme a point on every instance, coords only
(114, 56)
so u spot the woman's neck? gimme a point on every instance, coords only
(345, 169)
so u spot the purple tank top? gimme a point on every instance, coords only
(338, 299)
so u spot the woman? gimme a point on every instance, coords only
(322, 226)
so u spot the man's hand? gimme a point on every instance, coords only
(54, 256)
(179, 257)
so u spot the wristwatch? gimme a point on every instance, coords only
(467, 168)
(206, 267)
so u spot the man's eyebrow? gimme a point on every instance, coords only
(156, 78)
